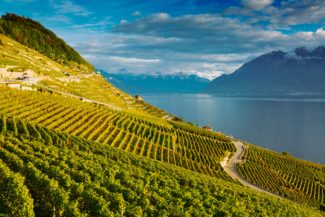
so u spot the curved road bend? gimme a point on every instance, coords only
(229, 165)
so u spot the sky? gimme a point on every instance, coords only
(204, 37)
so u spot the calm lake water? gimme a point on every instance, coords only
(293, 125)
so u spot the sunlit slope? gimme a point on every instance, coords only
(35, 36)
(75, 81)
(174, 143)
(284, 175)
(75, 145)
(171, 142)
(45, 173)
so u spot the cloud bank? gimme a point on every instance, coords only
(206, 44)
(256, 4)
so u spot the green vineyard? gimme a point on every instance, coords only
(95, 87)
(72, 144)
(284, 175)
(56, 174)
(79, 81)
(144, 135)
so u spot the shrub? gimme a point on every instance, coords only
(322, 207)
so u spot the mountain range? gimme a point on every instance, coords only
(278, 73)
(157, 83)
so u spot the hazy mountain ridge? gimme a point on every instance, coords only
(157, 83)
(278, 73)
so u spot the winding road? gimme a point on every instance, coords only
(229, 165)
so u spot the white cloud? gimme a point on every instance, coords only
(320, 33)
(136, 14)
(307, 36)
(102, 23)
(55, 18)
(117, 63)
(160, 16)
(205, 44)
(123, 22)
(256, 4)
(205, 33)
(70, 8)
(133, 60)
(286, 14)
(313, 38)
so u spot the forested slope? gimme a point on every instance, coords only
(33, 35)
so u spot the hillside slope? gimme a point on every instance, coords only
(63, 175)
(33, 35)
(278, 73)
(72, 144)
(170, 142)
(18, 61)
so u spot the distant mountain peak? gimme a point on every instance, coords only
(300, 72)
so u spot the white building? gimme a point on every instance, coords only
(29, 80)
(14, 85)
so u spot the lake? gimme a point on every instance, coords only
(296, 126)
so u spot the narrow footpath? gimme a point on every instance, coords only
(229, 165)
(113, 107)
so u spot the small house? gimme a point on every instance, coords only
(27, 88)
(13, 85)
(29, 80)
(207, 128)
(138, 97)
(74, 79)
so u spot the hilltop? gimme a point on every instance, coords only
(278, 73)
(72, 144)
(33, 35)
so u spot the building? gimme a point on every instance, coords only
(138, 97)
(27, 88)
(29, 80)
(13, 85)
(207, 128)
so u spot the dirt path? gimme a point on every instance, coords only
(229, 165)
(82, 98)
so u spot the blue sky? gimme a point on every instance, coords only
(208, 38)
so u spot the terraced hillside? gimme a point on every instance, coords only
(171, 142)
(144, 135)
(56, 174)
(284, 175)
(18, 61)
(71, 144)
